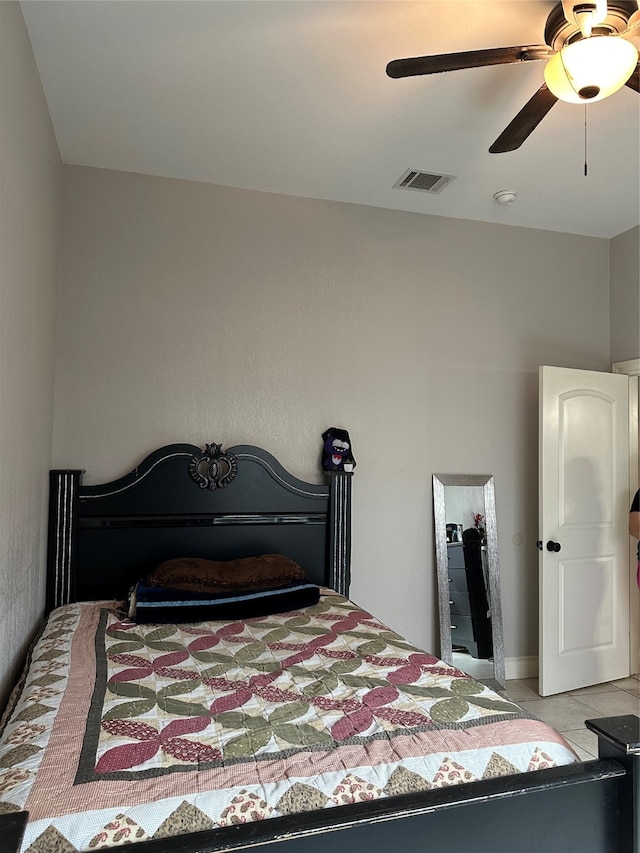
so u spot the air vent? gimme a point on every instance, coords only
(423, 181)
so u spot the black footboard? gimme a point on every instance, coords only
(555, 810)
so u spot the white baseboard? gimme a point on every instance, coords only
(521, 667)
(527, 667)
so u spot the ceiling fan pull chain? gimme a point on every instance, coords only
(585, 140)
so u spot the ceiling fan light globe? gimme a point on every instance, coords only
(602, 63)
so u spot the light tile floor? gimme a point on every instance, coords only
(567, 712)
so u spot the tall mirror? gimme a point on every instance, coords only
(470, 606)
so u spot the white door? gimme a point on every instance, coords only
(584, 540)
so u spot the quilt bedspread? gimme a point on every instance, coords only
(126, 732)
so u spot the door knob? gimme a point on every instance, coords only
(553, 546)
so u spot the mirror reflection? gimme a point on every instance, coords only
(468, 574)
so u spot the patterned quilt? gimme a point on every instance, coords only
(125, 732)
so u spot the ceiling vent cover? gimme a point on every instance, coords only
(425, 182)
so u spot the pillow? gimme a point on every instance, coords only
(213, 576)
(159, 605)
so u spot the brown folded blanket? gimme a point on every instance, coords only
(196, 574)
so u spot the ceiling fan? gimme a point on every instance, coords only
(590, 49)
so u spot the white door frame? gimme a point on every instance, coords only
(632, 368)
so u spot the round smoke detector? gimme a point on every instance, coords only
(505, 197)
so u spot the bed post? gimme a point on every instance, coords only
(339, 544)
(619, 738)
(63, 527)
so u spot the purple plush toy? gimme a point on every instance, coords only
(336, 451)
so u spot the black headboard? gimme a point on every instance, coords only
(182, 501)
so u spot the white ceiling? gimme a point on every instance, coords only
(291, 96)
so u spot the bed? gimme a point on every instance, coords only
(303, 722)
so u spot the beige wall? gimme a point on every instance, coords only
(194, 313)
(198, 313)
(625, 295)
(30, 202)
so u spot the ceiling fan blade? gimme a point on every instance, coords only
(525, 122)
(417, 65)
(634, 81)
